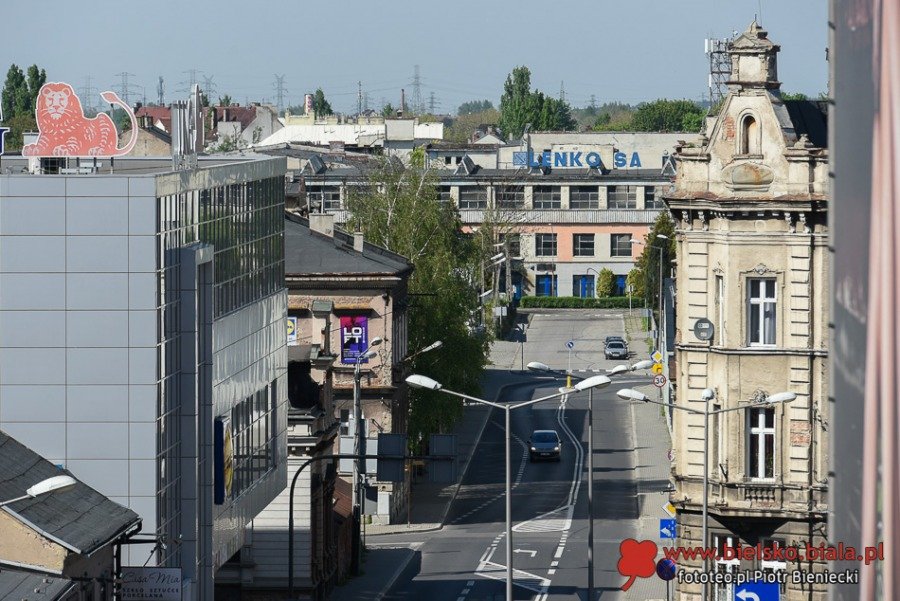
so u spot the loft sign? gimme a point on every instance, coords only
(574, 158)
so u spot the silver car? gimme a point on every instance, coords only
(616, 349)
(544, 444)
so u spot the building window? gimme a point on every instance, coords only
(328, 197)
(583, 245)
(583, 286)
(621, 197)
(513, 244)
(252, 438)
(584, 197)
(545, 285)
(769, 566)
(620, 245)
(761, 311)
(511, 197)
(545, 245)
(720, 310)
(653, 198)
(547, 197)
(723, 591)
(472, 197)
(444, 194)
(761, 443)
(749, 135)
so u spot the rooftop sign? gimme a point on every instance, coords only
(572, 158)
(64, 131)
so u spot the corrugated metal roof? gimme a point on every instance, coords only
(79, 518)
(25, 586)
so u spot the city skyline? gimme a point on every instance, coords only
(222, 48)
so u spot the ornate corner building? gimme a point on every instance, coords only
(749, 202)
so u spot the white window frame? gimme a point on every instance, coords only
(758, 305)
(760, 430)
(720, 309)
(724, 592)
(772, 566)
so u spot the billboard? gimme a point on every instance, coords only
(223, 460)
(64, 130)
(354, 338)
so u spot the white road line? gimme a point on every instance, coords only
(559, 552)
(465, 591)
(470, 583)
(551, 571)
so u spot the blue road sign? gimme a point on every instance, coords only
(757, 591)
(570, 344)
(666, 528)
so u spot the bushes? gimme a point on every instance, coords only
(573, 302)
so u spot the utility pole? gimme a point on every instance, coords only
(359, 98)
(279, 92)
(124, 87)
(209, 88)
(562, 91)
(417, 91)
(431, 103)
(160, 92)
(192, 80)
(87, 93)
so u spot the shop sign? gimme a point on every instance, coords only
(64, 130)
(354, 338)
(573, 158)
(145, 583)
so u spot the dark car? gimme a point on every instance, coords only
(614, 339)
(544, 444)
(616, 350)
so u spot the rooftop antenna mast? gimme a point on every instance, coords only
(279, 92)
(716, 51)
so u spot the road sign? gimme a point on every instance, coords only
(659, 380)
(666, 528)
(570, 344)
(757, 591)
(669, 509)
(657, 368)
(656, 356)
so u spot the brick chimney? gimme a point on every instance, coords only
(322, 223)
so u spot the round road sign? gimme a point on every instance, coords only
(570, 344)
(703, 329)
(659, 381)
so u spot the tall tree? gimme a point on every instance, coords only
(321, 107)
(668, 115)
(656, 249)
(19, 99)
(520, 106)
(225, 100)
(401, 211)
(388, 111)
(474, 106)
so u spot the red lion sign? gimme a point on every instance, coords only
(66, 132)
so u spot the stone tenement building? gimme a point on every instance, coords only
(750, 207)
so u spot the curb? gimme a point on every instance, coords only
(396, 576)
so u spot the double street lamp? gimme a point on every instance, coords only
(619, 369)
(418, 381)
(707, 395)
(52, 484)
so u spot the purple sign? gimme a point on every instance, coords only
(354, 338)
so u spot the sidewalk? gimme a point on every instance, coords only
(652, 442)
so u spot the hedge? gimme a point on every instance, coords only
(575, 302)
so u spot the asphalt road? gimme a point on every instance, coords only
(466, 560)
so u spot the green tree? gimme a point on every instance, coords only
(606, 282)
(654, 249)
(463, 126)
(635, 282)
(474, 106)
(794, 96)
(388, 111)
(668, 115)
(19, 99)
(321, 107)
(401, 211)
(520, 106)
(225, 100)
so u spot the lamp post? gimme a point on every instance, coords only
(537, 366)
(707, 395)
(588, 272)
(418, 381)
(53, 484)
(661, 249)
(359, 450)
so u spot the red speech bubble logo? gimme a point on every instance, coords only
(636, 560)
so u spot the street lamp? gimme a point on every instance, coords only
(427, 383)
(359, 449)
(707, 395)
(661, 249)
(538, 366)
(53, 484)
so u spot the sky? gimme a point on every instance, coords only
(624, 50)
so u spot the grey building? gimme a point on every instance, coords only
(142, 337)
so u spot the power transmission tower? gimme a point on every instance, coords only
(562, 91)
(88, 93)
(279, 92)
(431, 103)
(188, 85)
(358, 98)
(124, 87)
(417, 91)
(593, 104)
(209, 88)
(160, 92)
(365, 101)
(719, 68)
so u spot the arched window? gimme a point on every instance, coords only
(750, 136)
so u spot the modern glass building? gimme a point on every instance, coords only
(142, 341)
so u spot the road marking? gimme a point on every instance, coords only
(470, 583)
(465, 591)
(559, 552)
(554, 564)
(551, 571)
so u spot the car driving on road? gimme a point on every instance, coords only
(544, 444)
(616, 349)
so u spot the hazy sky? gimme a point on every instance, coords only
(627, 50)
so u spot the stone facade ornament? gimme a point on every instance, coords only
(762, 268)
(759, 396)
(686, 219)
(790, 222)
(806, 229)
(704, 224)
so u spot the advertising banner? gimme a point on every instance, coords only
(143, 583)
(291, 331)
(223, 460)
(354, 338)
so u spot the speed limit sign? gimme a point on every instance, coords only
(659, 381)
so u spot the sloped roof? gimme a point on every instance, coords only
(25, 586)
(244, 114)
(809, 117)
(80, 518)
(311, 253)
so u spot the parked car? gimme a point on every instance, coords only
(544, 444)
(616, 349)
(615, 338)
